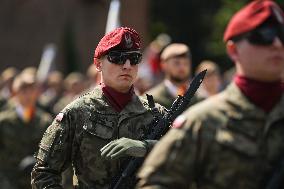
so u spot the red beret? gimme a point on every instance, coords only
(120, 39)
(251, 16)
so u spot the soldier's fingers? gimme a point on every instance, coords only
(107, 150)
(107, 145)
(113, 151)
(110, 148)
(118, 154)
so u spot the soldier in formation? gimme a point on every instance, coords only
(22, 125)
(176, 65)
(98, 130)
(234, 139)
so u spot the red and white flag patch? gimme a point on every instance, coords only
(59, 117)
(179, 122)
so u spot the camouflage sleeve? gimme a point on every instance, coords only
(172, 162)
(54, 154)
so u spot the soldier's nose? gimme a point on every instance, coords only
(127, 64)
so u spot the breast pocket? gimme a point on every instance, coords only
(101, 126)
(235, 156)
(237, 142)
(99, 130)
(104, 131)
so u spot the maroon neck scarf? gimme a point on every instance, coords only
(116, 99)
(263, 94)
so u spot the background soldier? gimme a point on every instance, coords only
(52, 91)
(7, 78)
(98, 130)
(176, 65)
(211, 84)
(74, 84)
(21, 127)
(236, 138)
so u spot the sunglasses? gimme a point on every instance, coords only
(264, 36)
(117, 57)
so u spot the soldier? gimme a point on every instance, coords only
(7, 78)
(211, 84)
(97, 131)
(75, 84)
(53, 91)
(176, 64)
(21, 127)
(93, 77)
(234, 139)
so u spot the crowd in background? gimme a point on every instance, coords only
(59, 89)
(31, 106)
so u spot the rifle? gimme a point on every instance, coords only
(161, 125)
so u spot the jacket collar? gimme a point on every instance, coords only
(134, 107)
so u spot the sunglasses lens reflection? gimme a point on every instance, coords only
(121, 57)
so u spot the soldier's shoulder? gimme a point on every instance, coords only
(45, 116)
(146, 105)
(208, 106)
(208, 114)
(2, 102)
(144, 101)
(82, 101)
(8, 114)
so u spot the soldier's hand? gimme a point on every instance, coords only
(124, 147)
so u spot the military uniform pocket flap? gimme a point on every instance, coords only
(100, 130)
(237, 142)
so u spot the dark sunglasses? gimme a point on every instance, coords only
(264, 36)
(120, 58)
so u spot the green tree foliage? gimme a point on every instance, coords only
(185, 21)
(215, 46)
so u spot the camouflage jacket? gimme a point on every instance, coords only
(223, 142)
(3, 102)
(162, 96)
(19, 139)
(77, 135)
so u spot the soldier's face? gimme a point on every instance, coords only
(118, 77)
(212, 82)
(177, 69)
(259, 54)
(264, 63)
(28, 95)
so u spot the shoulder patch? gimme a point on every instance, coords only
(179, 122)
(59, 117)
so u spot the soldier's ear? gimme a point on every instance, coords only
(98, 64)
(163, 65)
(232, 50)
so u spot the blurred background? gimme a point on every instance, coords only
(75, 27)
(47, 47)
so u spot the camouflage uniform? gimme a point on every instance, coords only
(2, 103)
(18, 140)
(223, 142)
(162, 96)
(77, 135)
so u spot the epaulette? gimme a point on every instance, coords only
(85, 94)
